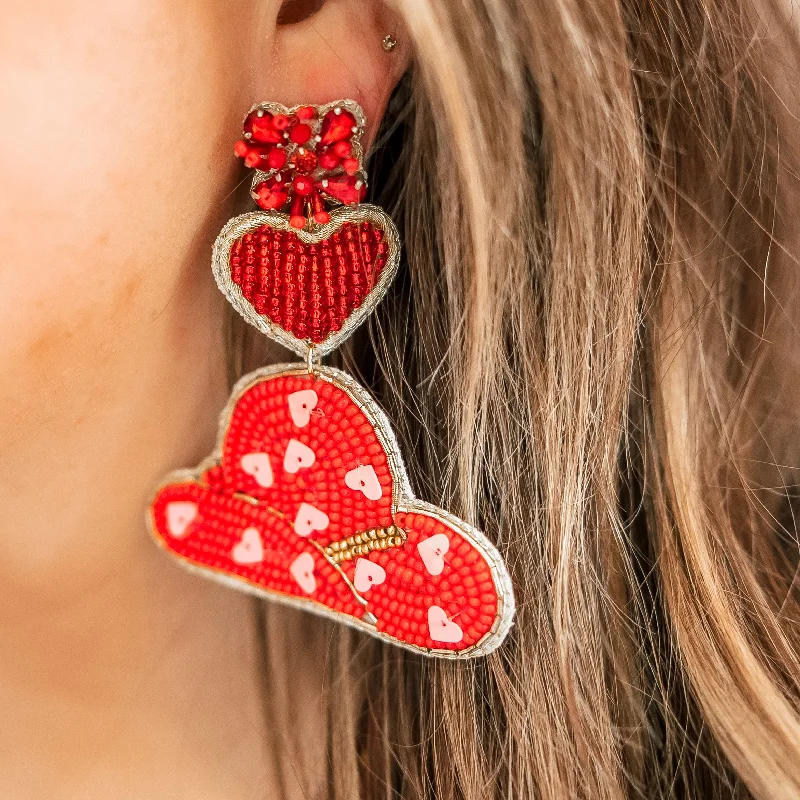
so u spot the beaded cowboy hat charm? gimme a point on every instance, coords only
(306, 499)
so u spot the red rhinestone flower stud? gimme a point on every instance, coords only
(306, 499)
(303, 157)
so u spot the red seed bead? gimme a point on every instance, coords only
(297, 221)
(306, 112)
(300, 134)
(241, 148)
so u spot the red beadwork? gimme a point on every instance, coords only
(262, 128)
(273, 142)
(408, 600)
(361, 254)
(271, 193)
(337, 126)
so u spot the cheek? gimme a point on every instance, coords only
(117, 126)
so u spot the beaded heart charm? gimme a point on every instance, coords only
(301, 272)
(306, 499)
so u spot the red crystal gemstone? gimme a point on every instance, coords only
(347, 189)
(328, 159)
(306, 112)
(303, 185)
(262, 128)
(350, 165)
(342, 148)
(257, 156)
(276, 158)
(336, 127)
(271, 194)
(300, 134)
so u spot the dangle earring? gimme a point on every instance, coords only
(306, 499)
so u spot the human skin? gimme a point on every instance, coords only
(120, 675)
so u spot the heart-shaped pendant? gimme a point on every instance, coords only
(342, 534)
(307, 288)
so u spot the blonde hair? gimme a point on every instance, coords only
(580, 357)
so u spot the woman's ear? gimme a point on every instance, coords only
(328, 50)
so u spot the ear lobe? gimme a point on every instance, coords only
(336, 51)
